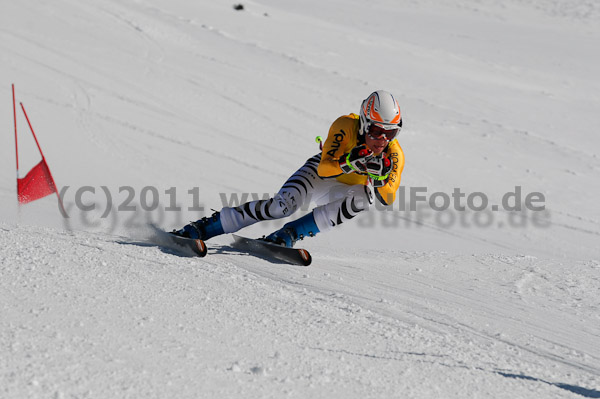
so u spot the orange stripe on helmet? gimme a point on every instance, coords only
(370, 111)
(375, 116)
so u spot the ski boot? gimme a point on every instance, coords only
(202, 229)
(294, 231)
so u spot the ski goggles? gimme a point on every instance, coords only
(377, 131)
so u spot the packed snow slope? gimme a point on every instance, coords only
(157, 111)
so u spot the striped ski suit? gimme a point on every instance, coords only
(339, 197)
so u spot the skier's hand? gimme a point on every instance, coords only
(356, 160)
(379, 168)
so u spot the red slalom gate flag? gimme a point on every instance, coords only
(37, 184)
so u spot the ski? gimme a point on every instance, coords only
(197, 246)
(187, 246)
(294, 256)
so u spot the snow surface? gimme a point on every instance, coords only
(202, 104)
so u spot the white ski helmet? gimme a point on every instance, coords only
(381, 109)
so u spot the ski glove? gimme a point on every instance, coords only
(356, 160)
(378, 169)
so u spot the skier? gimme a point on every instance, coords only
(360, 156)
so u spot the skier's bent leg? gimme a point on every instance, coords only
(324, 217)
(296, 191)
(232, 219)
(358, 198)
